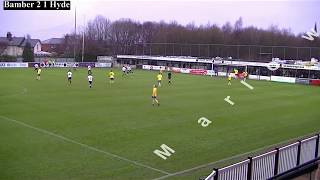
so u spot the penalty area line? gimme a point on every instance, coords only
(233, 157)
(84, 145)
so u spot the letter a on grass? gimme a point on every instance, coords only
(204, 122)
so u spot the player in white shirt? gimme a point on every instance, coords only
(89, 70)
(90, 79)
(129, 69)
(69, 75)
(124, 69)
(36, 66)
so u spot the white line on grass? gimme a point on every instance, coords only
(83, 145)
(232, 157)
(246, 84)
(227, 99)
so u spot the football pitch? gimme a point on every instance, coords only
(49, 130)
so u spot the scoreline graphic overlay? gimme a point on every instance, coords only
(36, 5)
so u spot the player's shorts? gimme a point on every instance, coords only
(38, 74)
(159, 81)
(69, 78)
(111, 78)
(154, 97)
(90, 82)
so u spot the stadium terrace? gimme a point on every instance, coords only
(288, 70)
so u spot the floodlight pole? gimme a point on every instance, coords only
(75, 33)
(84, 24)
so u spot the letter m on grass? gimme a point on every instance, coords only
(166, 151)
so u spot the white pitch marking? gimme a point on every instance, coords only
(246, 84)
(84, 145)
(227, 99)
(204, 121)
(230, 158)
(166, 151)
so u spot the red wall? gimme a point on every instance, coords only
(315, 82)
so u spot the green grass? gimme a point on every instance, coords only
(120, 119)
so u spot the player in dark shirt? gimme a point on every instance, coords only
(169, 78)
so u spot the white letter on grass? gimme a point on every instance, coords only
(227, 99)
(204, 121)
(166, 151)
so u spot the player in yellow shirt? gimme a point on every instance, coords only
(38, 73)
(236, 73)
(229, 79)
(159, 78)
(111, 76)
(154, 95)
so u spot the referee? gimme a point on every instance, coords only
(169, 77)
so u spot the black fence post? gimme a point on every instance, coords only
(216, 176)
(249, 169)
(276, 162)
(299, 153)
(317, 146)
(173, 49)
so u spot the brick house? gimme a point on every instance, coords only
(54, 45)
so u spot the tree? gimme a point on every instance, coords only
(27, 54)
(238, 24)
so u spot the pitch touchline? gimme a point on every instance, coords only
(83, 145)
(229, 158)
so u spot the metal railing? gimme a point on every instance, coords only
(272, 163)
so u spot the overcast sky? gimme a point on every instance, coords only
(297, 15)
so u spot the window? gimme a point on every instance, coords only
(302, 73)
(289, 72)
(315, 74)
(265, 71)
(253, 70)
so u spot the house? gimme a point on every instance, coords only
(54, 45)
(13, 46)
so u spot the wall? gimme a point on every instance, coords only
(37, 47)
